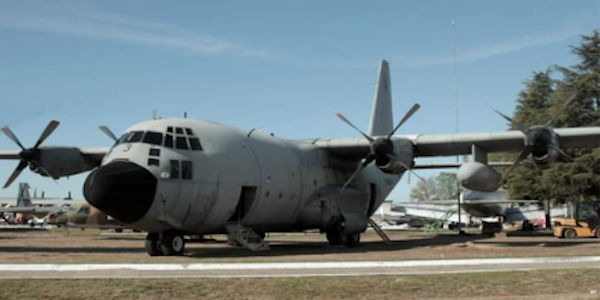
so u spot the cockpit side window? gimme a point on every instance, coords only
(154, 138)
(195, 143)
(135, 137)
(174, 169)
(178, 130)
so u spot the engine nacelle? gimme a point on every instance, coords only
(478, 177)
(60, 161)
(402, 157)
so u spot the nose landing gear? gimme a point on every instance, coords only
(167, 243)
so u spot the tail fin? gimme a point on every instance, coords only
(23, 199)
(382, 122)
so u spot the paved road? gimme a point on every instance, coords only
(305, 269)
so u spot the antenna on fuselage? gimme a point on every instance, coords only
(154, 115)
(185, 114)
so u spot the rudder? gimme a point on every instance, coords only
(381, 122)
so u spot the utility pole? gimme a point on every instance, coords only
(455, 85)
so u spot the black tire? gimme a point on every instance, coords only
(151, 245)
(172, 244)
(335, 237)
(570, 233)
(352, 239)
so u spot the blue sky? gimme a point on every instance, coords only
(282, 66)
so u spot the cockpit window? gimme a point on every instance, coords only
(170, 129)
(181, 143)
(168, 141)
(135, 137)
(154, 138)
(195, 143)
(178, 130)
(189, 131)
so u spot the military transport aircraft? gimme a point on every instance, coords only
(176, 177)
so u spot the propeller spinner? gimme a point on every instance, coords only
(381, 148)
(29, 156)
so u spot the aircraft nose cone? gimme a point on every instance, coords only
(123, 190)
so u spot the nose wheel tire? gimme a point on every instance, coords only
(171, 244)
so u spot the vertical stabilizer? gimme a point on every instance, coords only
(23, 199)
(382, 122)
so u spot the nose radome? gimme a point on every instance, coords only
(123, 190)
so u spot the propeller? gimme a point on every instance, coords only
(538, 136)
(108, 132)
(29, 156)
(381, 148)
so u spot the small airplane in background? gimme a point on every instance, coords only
(35, 211)
(178, 177)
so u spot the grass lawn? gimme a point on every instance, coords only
(561, 284)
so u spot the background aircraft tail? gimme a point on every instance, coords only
(382, 122)
(23, 199)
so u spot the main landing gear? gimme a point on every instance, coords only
(167, 243)
(336, 236)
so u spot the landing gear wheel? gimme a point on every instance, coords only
(570, 233)
(152, 244)
(335, 237)
(352, 239)
(172, 244)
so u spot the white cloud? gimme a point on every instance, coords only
(484, 52)
(129, 30)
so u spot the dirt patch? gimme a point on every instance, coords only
(95, 246)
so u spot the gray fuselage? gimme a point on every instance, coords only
(261, 181)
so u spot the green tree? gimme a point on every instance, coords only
(440, 187)
(544, 99)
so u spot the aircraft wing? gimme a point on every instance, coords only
(30, 210)
(459, 144)
(94, 154)
(501, 141)
(9, 154)
(349, 148)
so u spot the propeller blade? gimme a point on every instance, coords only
(12, 136)
(519, 126)
(393, 157)
(408, 114)
(524, 153)
(47, 131)
(108, 132)
(341, 117)
(15, 173)
(365, 163)
(562, 107)
(562, 153)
